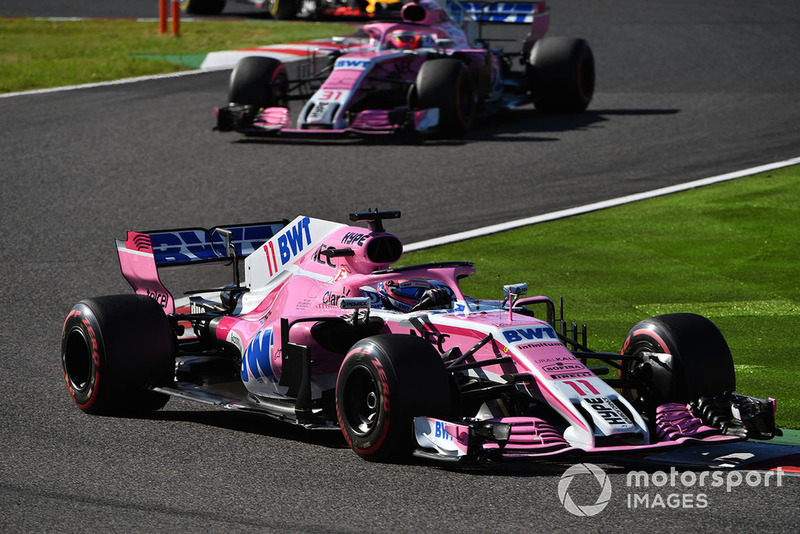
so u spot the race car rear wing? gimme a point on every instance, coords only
(141, 254)
(508, 12)
(470, 14)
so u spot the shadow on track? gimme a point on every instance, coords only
(519, 125)
(333, 439)
(255, 424)
(528, 120)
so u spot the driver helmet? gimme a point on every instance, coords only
(404, 295)
(406, 39)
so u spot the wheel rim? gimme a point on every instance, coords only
(362, 401)
(650, 392)
(630, 368)
(78, 360)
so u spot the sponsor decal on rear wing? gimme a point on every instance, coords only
(141, 254)
(197, 245)
(298, 238)
(508, 12)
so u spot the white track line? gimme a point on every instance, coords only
(502, 227)
(105, 84)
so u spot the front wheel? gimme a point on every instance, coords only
(383, 383)
(112, 348)
(203, 7)
(690, 359)
(447, 84)
(260, 82)
(561, 74)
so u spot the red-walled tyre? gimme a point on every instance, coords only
(112, 348)
(258, 81)
(697, 361)
(383, 383)
(447, 84)
(561, 74)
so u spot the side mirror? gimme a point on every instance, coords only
(515, 290)
(445, 43)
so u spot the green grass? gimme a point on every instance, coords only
(37, 54)
(729, 251)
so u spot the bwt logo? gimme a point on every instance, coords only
(518, 335)
(356, 64)
(184, 246)
(441, 431)
(292, 242)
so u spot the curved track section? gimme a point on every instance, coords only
(685, 91)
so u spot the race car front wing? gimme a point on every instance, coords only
(271, 121)
(509, 438)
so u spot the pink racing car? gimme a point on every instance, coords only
(323, 332)
(430, 72)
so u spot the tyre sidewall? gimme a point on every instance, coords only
(259, 82)
(412, 382)
(701, 358)
(447, 84)
(83, 380)
(371, 360)
(561, 74)
(131, 347)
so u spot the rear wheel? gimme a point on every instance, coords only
(112, 348)
(698, 361)
(203, 7)
(447, 84)
(383, 383)
(561, 74)
(257, 81)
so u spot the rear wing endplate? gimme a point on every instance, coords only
(141, 254)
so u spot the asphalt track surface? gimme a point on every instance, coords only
(685, 90)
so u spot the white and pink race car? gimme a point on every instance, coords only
(430, 72)
(324, 332)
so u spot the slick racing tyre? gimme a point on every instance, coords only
(447, 84)
(203, 7)
(699, 362)
(561, 75)
(282, 9)
(385, 381)
(261, 82)
(111, 349)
